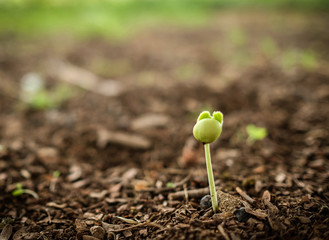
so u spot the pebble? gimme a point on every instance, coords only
(241, 214)
(205, 202)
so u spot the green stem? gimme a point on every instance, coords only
(211, 180)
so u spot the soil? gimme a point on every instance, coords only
(117, 176)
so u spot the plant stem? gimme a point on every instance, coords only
(211, 180)
(32, 193)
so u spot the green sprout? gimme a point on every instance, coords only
(20, 190)
(170, 185)
(37, 96)
(255, 133)
(206, 130)
(56, 174)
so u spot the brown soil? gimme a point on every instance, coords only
(114, 189)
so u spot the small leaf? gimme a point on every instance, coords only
(17, 192)
(256, 133)
(170, 185)
(203, 115)
(56, 174)
(218, 116)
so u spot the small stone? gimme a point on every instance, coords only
(205, 202)
(241, 215)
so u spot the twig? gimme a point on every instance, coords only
(139, 225)
(6, 232)
(183, 181)
(186, 193)
(245, 195)
(222, 231)
(191, 193)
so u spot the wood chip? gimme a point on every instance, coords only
(97, 232)
(87, 237)
(127, 233)
(122, 138)
(55, 205)
(192, 193)
(6, 232)
(98, 195)
(149, 121)
(83, 78)
(115, 200)
(48, 155)
(20, 234)
(303, 219)
(222, 231)
(75, 173)
(257, 213)
(127, 220)
(182, 225)
(267, 202)
(245, 195)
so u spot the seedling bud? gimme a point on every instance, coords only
(208, 128)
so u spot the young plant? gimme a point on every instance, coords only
(255, 133)
(206, 130)
(20, 190)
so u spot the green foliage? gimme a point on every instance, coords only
(308, 60)
(170, 185)
(269, 48)
(255, 133)
(238, 37)
(304, 58)
(120, 18)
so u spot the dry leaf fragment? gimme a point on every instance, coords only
(267, 201)
(97, 232)
(266, 196)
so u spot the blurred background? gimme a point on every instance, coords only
(71, 64)
(144, 66)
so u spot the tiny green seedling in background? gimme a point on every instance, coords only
(170, 185)
(20, 191)
(207, 129)
(56, 174)
(37, 96)
(255, 133)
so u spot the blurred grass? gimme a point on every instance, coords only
(114, 18)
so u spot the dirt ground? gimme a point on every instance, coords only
(122, 163)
